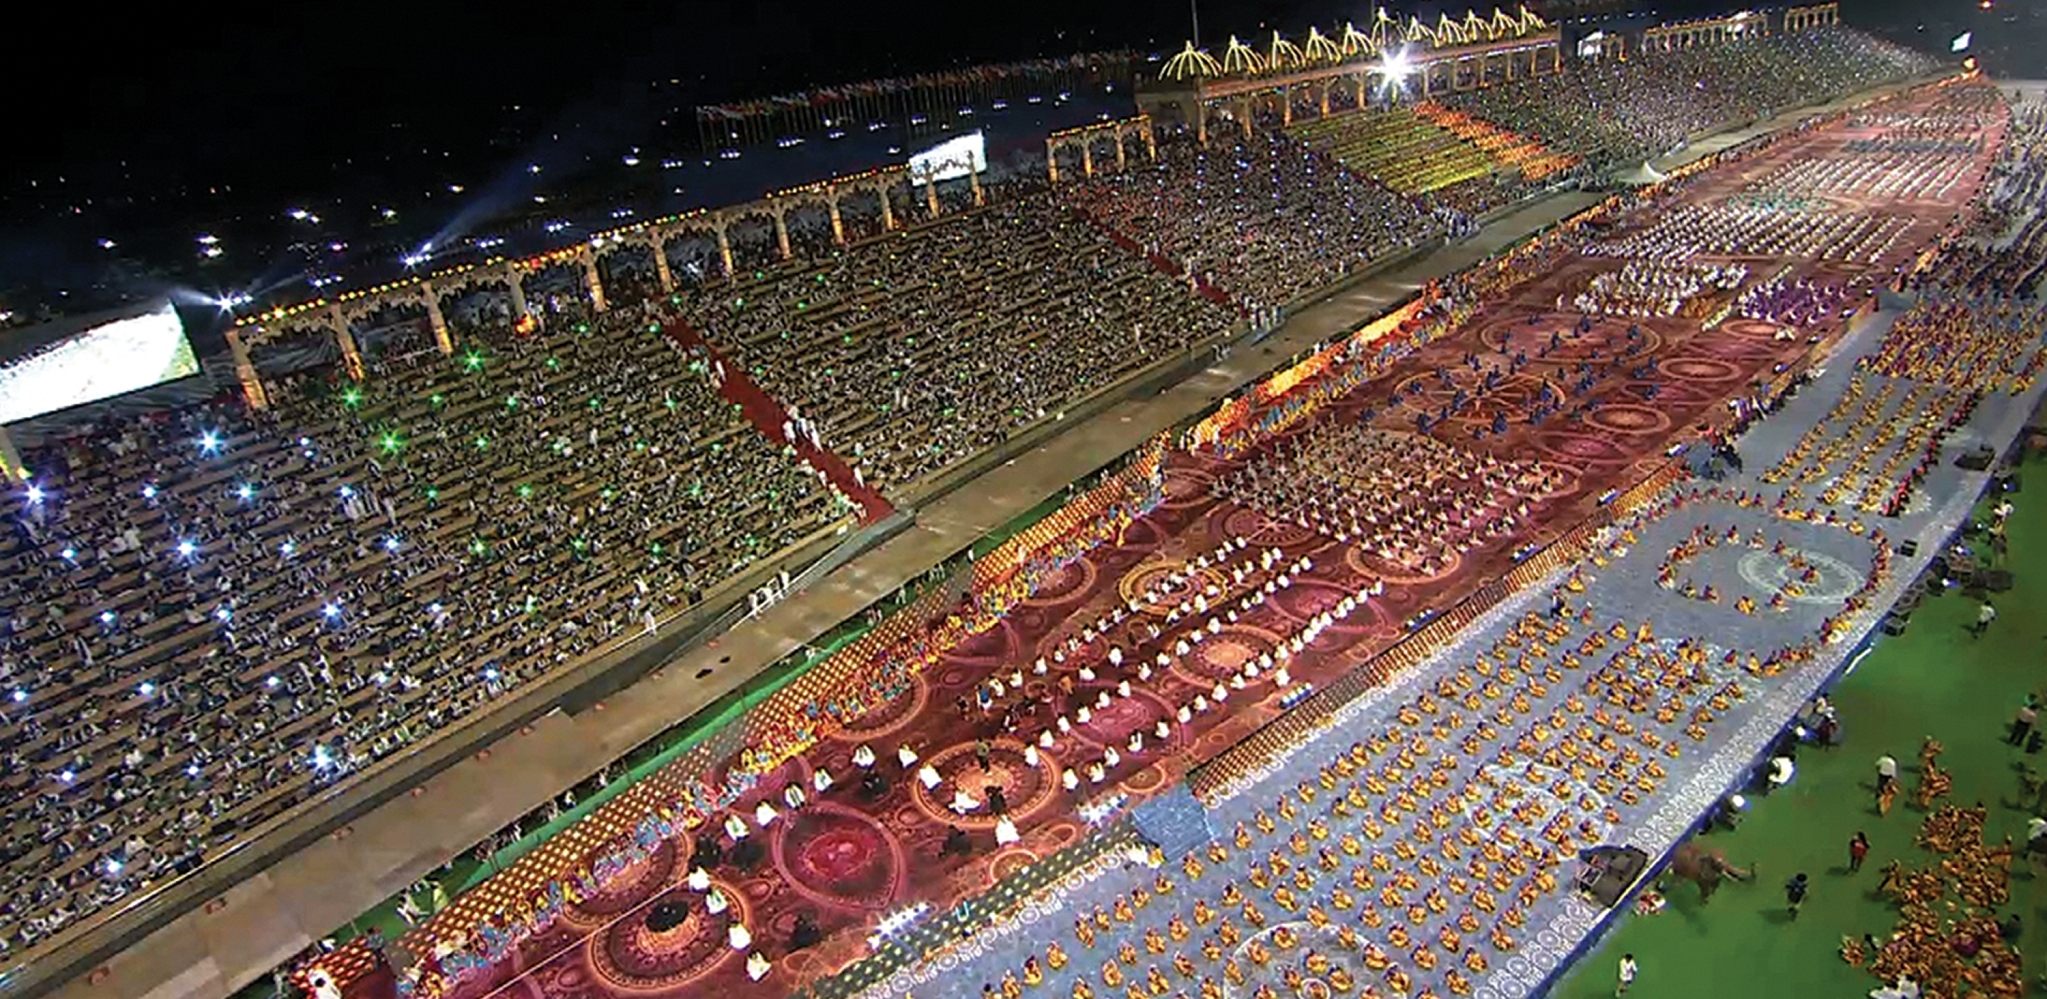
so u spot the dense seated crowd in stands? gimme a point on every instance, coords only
(210, 614)
(1265, 218)
(916, 352)
(1616, 113)
(1397, 147)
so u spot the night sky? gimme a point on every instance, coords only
(148, 124)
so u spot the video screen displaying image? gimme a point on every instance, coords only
(951, 159)
(105, 361)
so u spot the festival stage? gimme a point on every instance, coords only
(1617, 393)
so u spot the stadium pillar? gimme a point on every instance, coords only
(592, 281)
(660, 248)
(245, 372)
(351, 357)
(974, 181)
(1323, 102)
(1200, 122)
(725, 244)
(831, 203)
(435, 320)
(516, 285)
(782, 232)
(11, 468)
(888, 213)
(931, 193)
(1151, 141)
(1359, 82)
(1510, 67)
(1051, 161)
(1087, 158)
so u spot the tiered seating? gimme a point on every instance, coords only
(1399, 148)
(915, 352)
(1265, 218)
(1507, 150)
(1619, 113)
(212, 614)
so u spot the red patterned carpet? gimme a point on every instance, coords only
(843, 862)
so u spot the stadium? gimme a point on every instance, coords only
(1400, 508)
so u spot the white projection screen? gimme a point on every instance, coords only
(110, 359)
(950, 159)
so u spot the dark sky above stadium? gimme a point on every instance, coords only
(159, 116)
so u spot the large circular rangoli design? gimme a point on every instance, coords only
(840, 857)
(631, 957)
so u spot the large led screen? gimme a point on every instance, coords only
(105, 361)
(950, 159)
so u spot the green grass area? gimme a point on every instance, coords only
(1933, 680)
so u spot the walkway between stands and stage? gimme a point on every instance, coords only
(304, 895)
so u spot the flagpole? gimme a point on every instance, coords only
(1194, 8)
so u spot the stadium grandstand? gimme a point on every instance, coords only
(1334, 526)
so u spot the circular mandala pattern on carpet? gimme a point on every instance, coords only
(1157, 574)
(1264, 531)
(1221, 655)
(1371, 566)
(1512, 396)
(839, 856)
(1767, 572)
(1606, 340)
(1700, 369)
(631, 957)
(1074, 579)
(627, 888)
(889, 716)
(1753, 329)
(1671, 395)
(1187, 487)
(1309, 597)
(1581, 447)
(1629, 418)
(1570, 479)
(1010, 861)
(1137, 713)
(1025, 788)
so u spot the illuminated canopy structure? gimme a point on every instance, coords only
(1453, 54)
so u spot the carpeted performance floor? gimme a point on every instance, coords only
(1933, 680)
